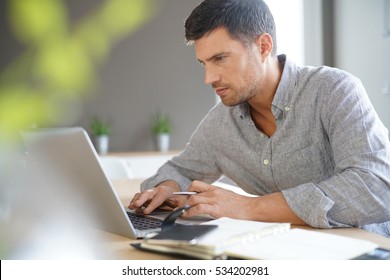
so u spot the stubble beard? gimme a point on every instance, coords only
(249, 86)
(242, 94)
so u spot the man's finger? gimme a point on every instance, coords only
(158, 199)
(198, 186)
(200, 209)
(141, 198)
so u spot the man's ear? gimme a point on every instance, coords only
(265, 45)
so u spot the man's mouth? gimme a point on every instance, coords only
(221, 91)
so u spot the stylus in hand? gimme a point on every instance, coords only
(184, 193)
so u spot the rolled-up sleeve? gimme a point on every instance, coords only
(166, 172)
(310, 204)
(358, 193)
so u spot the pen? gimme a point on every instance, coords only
(184, 193)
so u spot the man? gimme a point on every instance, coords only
(306, 140)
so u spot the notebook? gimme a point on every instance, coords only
(241, 239)
(68, 164)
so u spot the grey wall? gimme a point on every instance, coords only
(349, 34)
(152, 71)
(313, 32)
(360, 48)
(155, 71)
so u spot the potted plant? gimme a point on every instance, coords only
(161, 128)
(101, 132)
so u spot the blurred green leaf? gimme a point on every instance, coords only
(33, 20)
(115, 15)
(95, 42)
(45, 83)
(63, 64)
(20, 108)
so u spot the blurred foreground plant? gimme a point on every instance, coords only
(44, 86)
(57, 68)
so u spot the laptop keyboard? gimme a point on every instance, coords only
(141, 222)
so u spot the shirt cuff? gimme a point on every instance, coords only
(310, 204)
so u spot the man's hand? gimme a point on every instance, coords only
(159, 196)
(219, 202)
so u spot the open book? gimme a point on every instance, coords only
(257, 240)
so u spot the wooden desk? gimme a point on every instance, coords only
(113, 246)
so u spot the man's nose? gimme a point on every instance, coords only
(210, 76)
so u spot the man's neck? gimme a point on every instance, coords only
(261, 104)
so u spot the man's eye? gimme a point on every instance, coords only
(220, 58)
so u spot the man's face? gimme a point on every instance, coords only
(232, 69)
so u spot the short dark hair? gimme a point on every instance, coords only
(245, 20)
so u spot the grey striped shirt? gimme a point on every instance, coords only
(330, 154)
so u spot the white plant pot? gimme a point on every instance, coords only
(162, 141)
(101, 144)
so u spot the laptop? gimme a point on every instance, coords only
(69, 167)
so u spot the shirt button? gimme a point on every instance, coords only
(261, 135)
(287, 108)
(266, 162)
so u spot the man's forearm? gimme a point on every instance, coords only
(274, 208)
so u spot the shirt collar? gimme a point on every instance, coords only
(282, 101)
